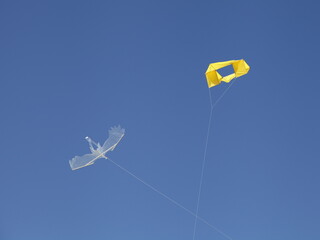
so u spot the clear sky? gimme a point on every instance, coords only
(70, 69)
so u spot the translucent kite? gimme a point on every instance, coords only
(98, 151)
(240, 68)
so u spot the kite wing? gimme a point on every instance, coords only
(115, 135)
(83, 161)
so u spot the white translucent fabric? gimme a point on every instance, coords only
(98, 151)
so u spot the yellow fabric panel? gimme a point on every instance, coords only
(219, 65)
(228, 78)
(240, 68)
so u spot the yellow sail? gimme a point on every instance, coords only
(240, 68)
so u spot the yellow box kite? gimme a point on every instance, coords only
(240, 68)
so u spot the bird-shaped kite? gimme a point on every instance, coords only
(97, 151)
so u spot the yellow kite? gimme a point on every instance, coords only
(240, 68)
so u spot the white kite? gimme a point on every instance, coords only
(115, 135)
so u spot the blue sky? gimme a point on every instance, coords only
(71, 69)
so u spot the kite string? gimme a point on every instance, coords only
(205, 153)
(222, 95)
(168, 198)
(150, 186)
(202, 168)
